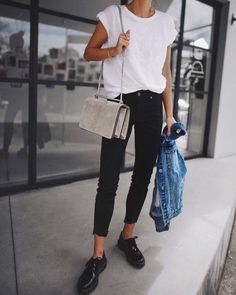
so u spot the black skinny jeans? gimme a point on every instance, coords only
(146, 115)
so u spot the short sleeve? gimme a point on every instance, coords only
(172, 32)
(105, 17)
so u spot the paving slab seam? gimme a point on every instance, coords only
(13, 244)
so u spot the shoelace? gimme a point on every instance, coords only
(92, 263)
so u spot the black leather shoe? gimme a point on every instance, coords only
(132, 252)
(88, 280)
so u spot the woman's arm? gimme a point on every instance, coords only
(167, 94)
(100, 36)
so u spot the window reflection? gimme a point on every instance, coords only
(60, 53)
(14, 63)
(171, 7)
(85, 8)
(192, 113)
(14, 42)
(193, 97)
(13, 132)
(198, 24)
(63, 146)
(193, 69)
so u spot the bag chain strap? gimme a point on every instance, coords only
(101, 71)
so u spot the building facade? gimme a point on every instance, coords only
(44, 81)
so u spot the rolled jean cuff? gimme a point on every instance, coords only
(100, 233)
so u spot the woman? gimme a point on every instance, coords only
(146, 84)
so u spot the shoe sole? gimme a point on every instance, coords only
(127, 258)
(93, 287)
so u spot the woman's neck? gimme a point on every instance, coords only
(141, 8)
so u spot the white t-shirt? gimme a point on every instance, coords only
(145, 55)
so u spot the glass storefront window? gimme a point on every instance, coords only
(63, 147)
(13, 133)
(193, 97)
(198, 24)
(171, 7)
(60, 51)
(14, 42)
(14, 63)
(63, 33)
(86, 9)
(195, 68)
(192, 112)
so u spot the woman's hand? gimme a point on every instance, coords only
(169, 121)
(123, 42)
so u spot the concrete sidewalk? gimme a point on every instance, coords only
(52, 234)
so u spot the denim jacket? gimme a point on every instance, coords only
(167, 198)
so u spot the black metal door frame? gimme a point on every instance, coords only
(219, 30)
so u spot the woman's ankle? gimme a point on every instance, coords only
(128, 229)
(98, 253)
